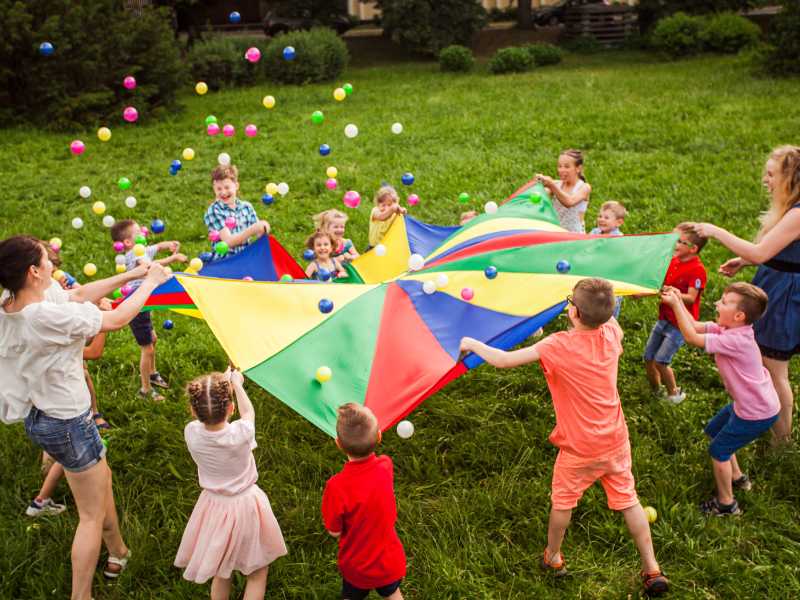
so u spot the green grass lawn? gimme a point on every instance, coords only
(677, 141)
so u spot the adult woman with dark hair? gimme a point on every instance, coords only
(42, 336)
(777, 252)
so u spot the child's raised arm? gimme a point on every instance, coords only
(246, 409)
(177, 257)
(311, 269)
(565, 198)
(693, 331)
(257, 229)
(500, 358)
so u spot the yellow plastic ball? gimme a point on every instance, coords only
(271, 189)
(339, 94)
(98, 208)
(651, 513)
(196, 264)
(139, 250)
(189, 271)
(268, 101)
(56, 243)
(58, 274)
(323, 374)
(187, 154)
(104, 134)
(332, 172)
(90, 269)
(201, 87)
(121, 268)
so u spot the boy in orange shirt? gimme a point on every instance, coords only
(580, 366)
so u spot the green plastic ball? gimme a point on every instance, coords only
(140, 239)
(348, 88)
(287, 277)
(463, 197)
(317, 117)
(124, 183)
(117, 294)
(221, 248)
(210, 119)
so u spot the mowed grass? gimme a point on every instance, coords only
(674, 142)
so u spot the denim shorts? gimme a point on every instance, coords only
(73, 443)
(728, 432)
(664, 342)
(142, 328)
(351, 592)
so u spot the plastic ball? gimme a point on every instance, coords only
(124, 183)
(139, 250)
(323, 374)
(119, 247)
(129, 83)
(351, 199)
(126, 290)
(119, 259)
(251, 130)
(235, 18)
(289, 53)
(283, 188)
(90, 269)
(463, 197)
(58, 275)
(77, 147)
(490, 272)
(429, 287)
(77, 222)
(206, 257)
(323, 274)
(397, 128)
(228, 130)
(211, 119)
(176, 165)
(332, 172)
(108, 221)
(268, 101)
(130, 202)
(467, 294)
(651, 514)
(339, 94)
(221, 248)
(212, 129)
(224, 159)
(46, 49)
(286, 277)
(267, 199)
(144, 231)
(324, 149)
(442, 280)
(116, 294)
(271, 188)
(413, 200)
(405, 429)
(201, 87)
(407, 178)
(168, 324)
(85, 191)
(348, 88)
(330, 184)
(187, 154)
(157, 226)
(380, 250)
(230, 223)
(213, 236)
(253, 54)
(120, 269)
(104, 134)
(247, 278)
(563, 266)
(351, 130)
(173, 171)
(196, 264)
(130, 114)
(325, 305)
(317, 117)
(98, 208)
(416, 262)
(490, 207)
(70, 279)
(140, 239)
(308, 254)
(56, 243)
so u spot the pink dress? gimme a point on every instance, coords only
(232, 527)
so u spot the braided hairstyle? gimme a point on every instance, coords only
(786, 160)
(209, 396)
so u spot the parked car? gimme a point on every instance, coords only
(549, 16)
(287, 19)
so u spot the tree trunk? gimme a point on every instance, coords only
(524, 14)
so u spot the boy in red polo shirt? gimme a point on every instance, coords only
(359, 508)
(687, 274)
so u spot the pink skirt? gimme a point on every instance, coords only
(229, 533)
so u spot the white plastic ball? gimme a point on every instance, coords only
(380, 250)
(77, 222)
(224, 159)
(429, 286)
(416, 262)
(405, 429)
(490, 207)
(397, 128)
(283, 188)
(441, 280)
(85, 191)
(130, 202)
(119, 259)
(351, 131)
(108, 221)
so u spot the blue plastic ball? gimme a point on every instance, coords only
(168, 324)
(46, 49)
(563, 266)
(235, 18)
(325, 306)
(157, 226)
(176, 164)
(324, 149)
(267, 199)
(288, 53)
(490, 272)
(308, 254)
(206, 257)
(69, 280)
(407, 178)
(173, 172)
(324, 274)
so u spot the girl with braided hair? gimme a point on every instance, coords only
(232, 527)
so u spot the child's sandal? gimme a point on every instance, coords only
(655, 583)
(559, 569)
(121, 562)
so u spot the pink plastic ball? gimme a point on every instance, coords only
(145, 231)
(213, 129)
(129, 82)
(230, 223)
(331, 184)
(56, 248)
(413, 199)
(351, 199)
(77, 147)
(213, 236)
(253, 54)
(228, 130)
(247, 278)
(467, 294)
(130, 114)
(126, 290)
(251, 130)
(119, 246)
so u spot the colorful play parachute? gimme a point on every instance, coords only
(390, 345)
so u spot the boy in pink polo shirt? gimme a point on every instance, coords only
(580, 366)
(755, 405)
(359, 508)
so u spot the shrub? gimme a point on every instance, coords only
(220, 62)
(456, 59)
(729, 32)
(320, 56)
(510, 60)
(782, 57)
(544, 54)
(679, 35)
(584, 44)
(97, 43)
(427, 26)
(651, 11)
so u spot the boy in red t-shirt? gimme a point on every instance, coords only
(359, 508)
(580, 366)
(687, 274)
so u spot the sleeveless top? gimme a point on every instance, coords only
(570, 217)
(317, 276)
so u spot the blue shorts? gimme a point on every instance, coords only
(74, 443)
(665, 340)
(351, 592)
(728, 432)
(142, 328)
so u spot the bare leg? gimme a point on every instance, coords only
(637, 524)
(668, 378)
(51, 482)
(722, 475)
(779, 372)
(559, 521)
(736, 472)
(145, 365)
(220, 588)
(653, 375)
(397, 595)
(153, 355)
(90, 385)
(111, 533)
(256, 585)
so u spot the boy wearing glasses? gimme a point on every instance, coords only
(580, 366)
(687, 274)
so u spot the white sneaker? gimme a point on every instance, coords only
(47, 507)
(678, 397)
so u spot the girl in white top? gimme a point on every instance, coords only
(41, 382)
(232, 527)
(570, 192)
